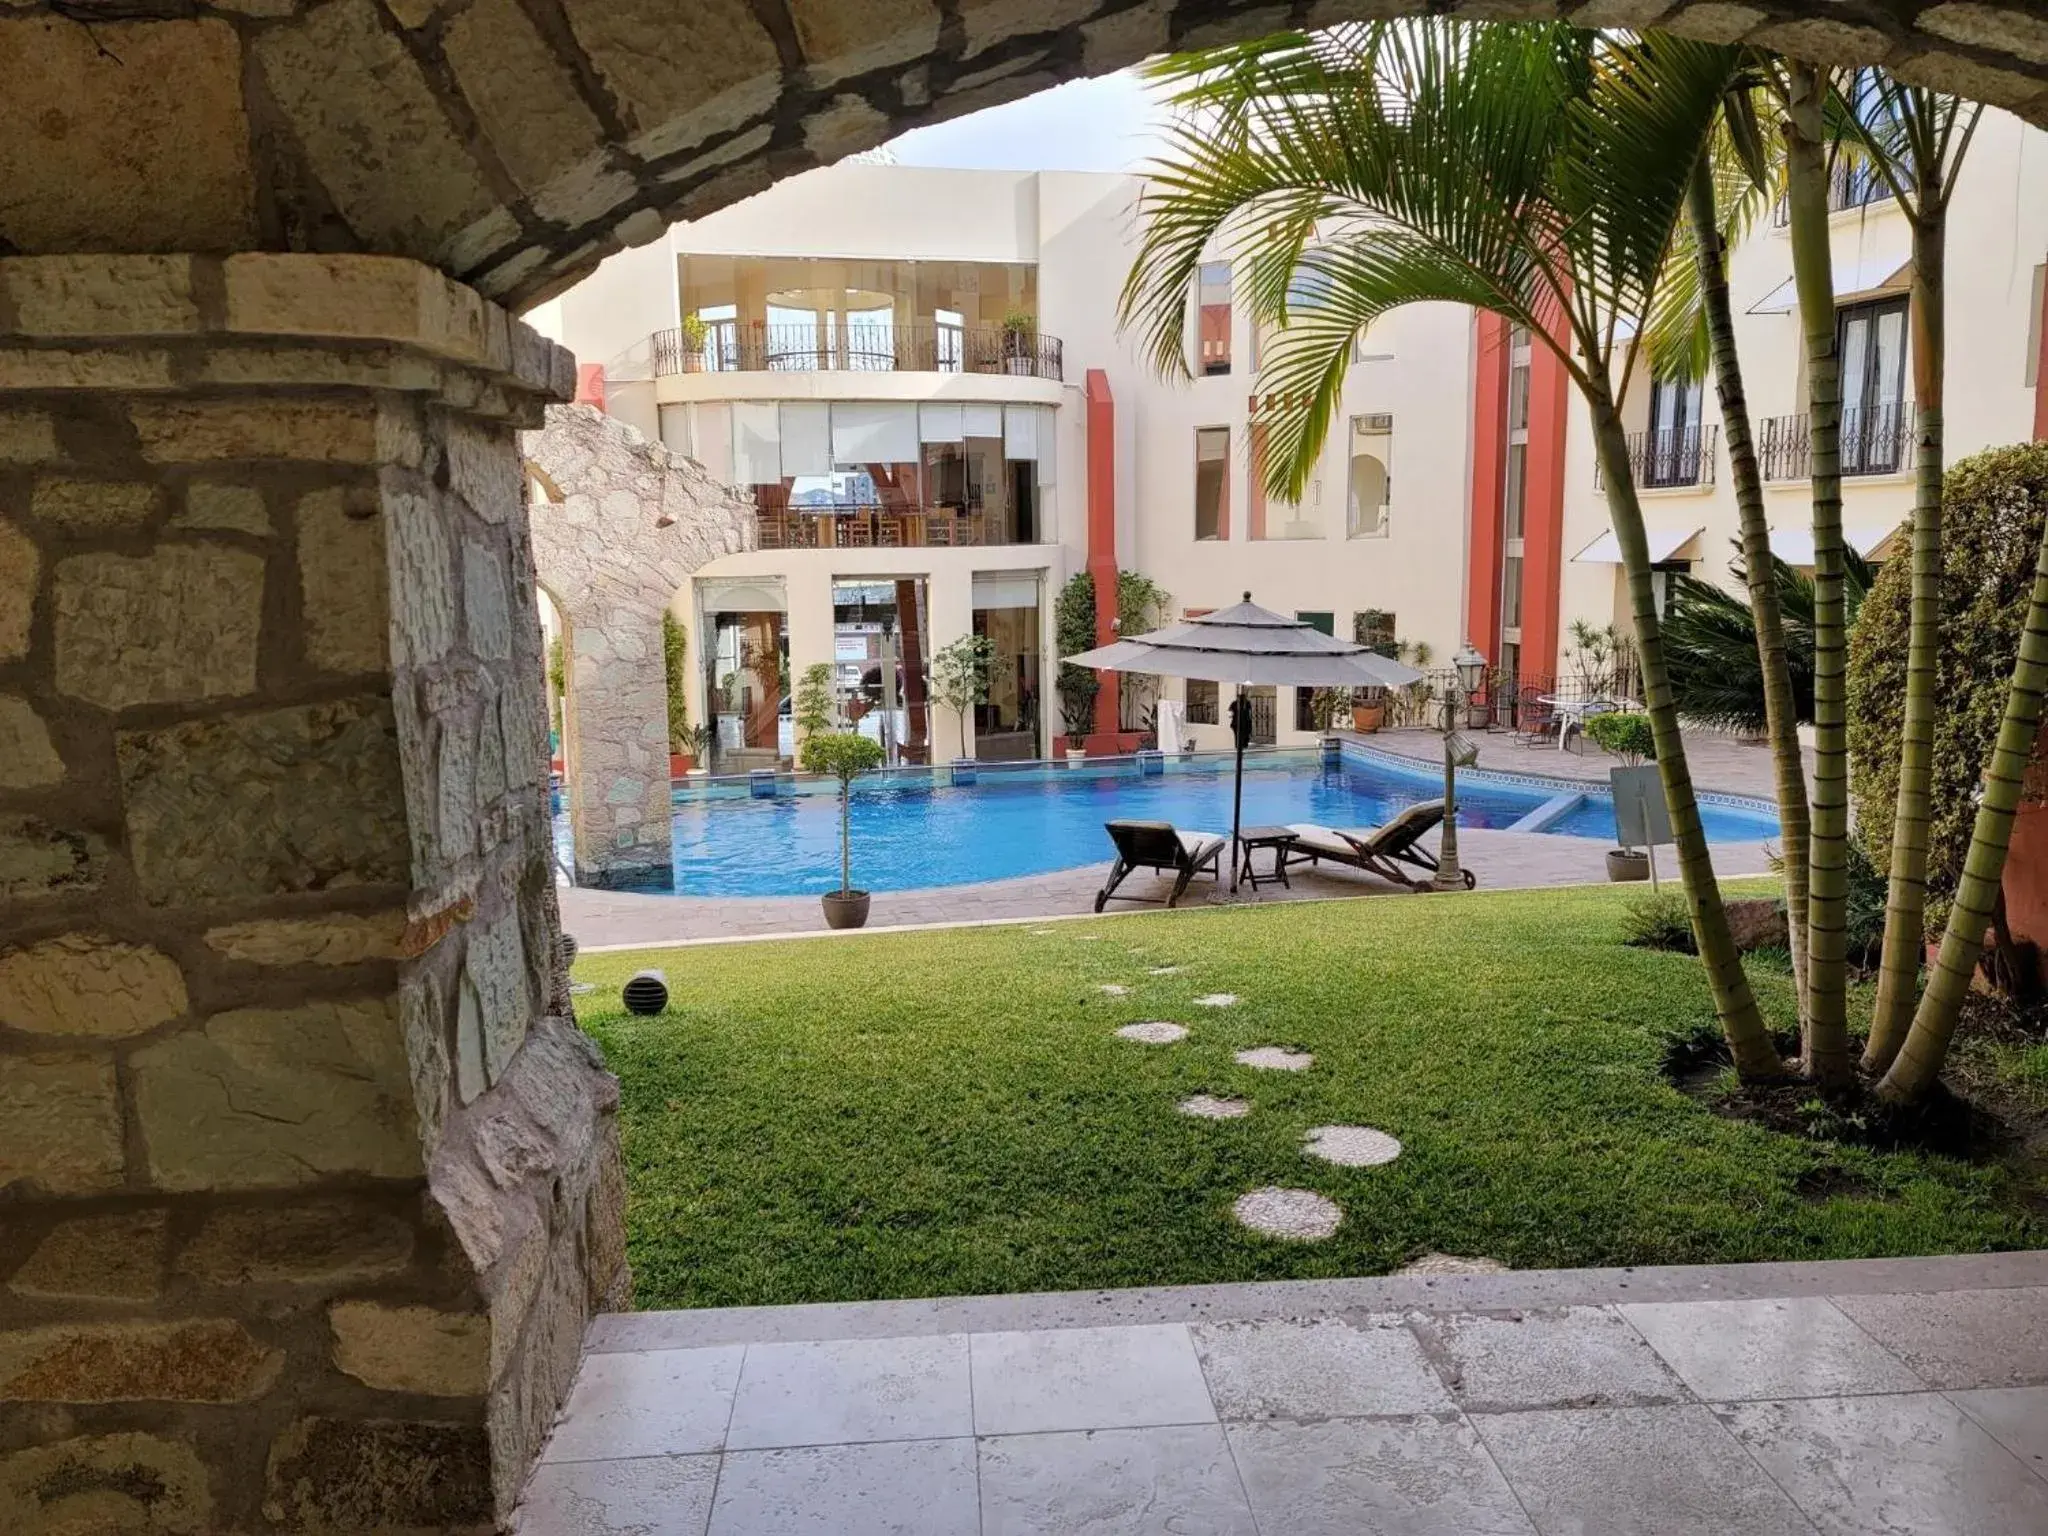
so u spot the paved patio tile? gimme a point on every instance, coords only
(904, 1488)
(1801, 1347)
(1906, 1463)
(1178, 1480)
(1299, 1368)
(2017, 1418)
(1375, 1477)
(1964, 1339)
(1088, 1378)
(850, 1390)
(653, 1496)
(663, 1402)
(1563, 1357)
(1671, 1471)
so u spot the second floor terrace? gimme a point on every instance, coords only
(858, 345)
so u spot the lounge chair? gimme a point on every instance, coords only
(1377, 850)
(1157, 846)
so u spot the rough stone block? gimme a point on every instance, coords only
(214, 504)
(261, 1097)
(81, 984)
(851, 37)
(310, 1242)
(98, 1258)
(471, 1076)
(60, 1126)
(495, 965)
(524, 99)
(195, 1360)
(341, 585)
(426, 1051)
(1757, 923)
(106, 1485)
(296, 799)
(20, 565)
(990, 22)
(178, 624)
(332, 938)
(1989, 26)
(93, 506)
(380, 1474)
(101, 295)
(38, 859)
(680, 84)
(536, 1379)
(422, 584)
(28, 759)
(483, 469)
(277, 431)
(412, 1349)
(486, 611)
(82, 177)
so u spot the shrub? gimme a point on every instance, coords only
(1994, 506)
(844, 754)
(1073, 622)
(812, 707)
(675, 644)
(1626, 735)
(1658, 920)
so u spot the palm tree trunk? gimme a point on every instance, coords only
(1934, 1022)
(1781, 714)
(1742, 1022)
(1906, 897)
(1827, 1021)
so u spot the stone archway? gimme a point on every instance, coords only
(624, 524)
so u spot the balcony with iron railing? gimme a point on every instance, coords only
(730, 346)
(1669, 458)
(1875, 441)
(1852, 183)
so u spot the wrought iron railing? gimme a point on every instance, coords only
(925, 346)
(1875, 441)
(1670, 457)
(1851, 184)
(888, 528)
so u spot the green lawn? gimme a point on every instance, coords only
(923, 1114)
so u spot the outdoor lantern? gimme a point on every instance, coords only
(1471, 668)
(1461, 749)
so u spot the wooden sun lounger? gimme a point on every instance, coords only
(1158, 846)
(1377, 850)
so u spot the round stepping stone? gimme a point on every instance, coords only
(1205, 1106)
(1452, 1264)
(1274, 1058)
(1165, 970)
(1216, 1000)
(1297, 1215)
(1351, 1146)
(1114, 989)
(1157, 1032)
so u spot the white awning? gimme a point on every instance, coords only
(1794, 545)
(1853, 280)
(1665, 543)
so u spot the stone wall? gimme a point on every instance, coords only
(620, 525)
(308, 1181)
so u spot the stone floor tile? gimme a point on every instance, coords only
(1556, 1358)
(652, 1496)
(1426, 1476)
(660, 1402)
(1963, 1339)
(842, 1391)
(1177, 1480)
(1798, 1347)
(904, 1488)
(1088, 1378)
(1327, 1367)
(1909, 1463)
(1670, 1471)
(2017, 1417)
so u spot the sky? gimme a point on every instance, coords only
(1103, 124)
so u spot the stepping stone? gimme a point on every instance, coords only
(1216, 1000)
(1274, 1058)
(1204, 1106)
(1157, 1032)
(1351, 1146)
(1452, 1264)
(1165, 970)
(1039, 933)
(1297, 1215)
(578, 988)
(1114, 989)
(1086, 938)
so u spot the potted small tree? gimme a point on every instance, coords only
(1627, 736)
(695, 332)
(1020, 343)
(812, 708)
(1368, 710)
(845, 756)
(958, 680)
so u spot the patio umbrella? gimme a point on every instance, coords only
(1249, 645)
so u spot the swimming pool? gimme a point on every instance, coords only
(910, 833)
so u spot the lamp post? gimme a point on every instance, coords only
(1458, 753)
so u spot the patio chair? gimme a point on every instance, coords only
(1537, 723)
(1377, 850)
(1161, 848)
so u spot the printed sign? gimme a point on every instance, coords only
(1640, 819)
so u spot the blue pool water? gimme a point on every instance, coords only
(1036, 820)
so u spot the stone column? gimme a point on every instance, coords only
(309, 1181)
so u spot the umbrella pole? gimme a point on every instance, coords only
(1237, 736)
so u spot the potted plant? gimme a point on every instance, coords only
(1368, 710)
(1020, 343)
(690, 746)
(1077, 748)
(695, 333)
(812, 708)
(958, 680)
(845, 756)
(1326, 707)
(1626, 735)
(674, 652)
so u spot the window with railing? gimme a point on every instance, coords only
(1874, 442)
(1670, 457)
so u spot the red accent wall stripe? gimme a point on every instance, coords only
(1550, 396)
(1102, 531)
(1489, 475)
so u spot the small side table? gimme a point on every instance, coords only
(1280, 840)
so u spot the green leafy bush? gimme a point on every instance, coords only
(1073, 622)
(812, 708)
(1658, 920)
(844, 754)
(675, 645)
(1625, 734)
(1994, 506)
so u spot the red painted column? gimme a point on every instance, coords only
(1102, 542)
(1550, 397)
(1489, 481)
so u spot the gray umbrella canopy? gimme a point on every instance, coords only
(1249, 645)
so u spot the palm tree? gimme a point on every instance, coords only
(1533, 171)
(1914, 139)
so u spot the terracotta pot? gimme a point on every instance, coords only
(680, 763)
(1627, 864)
(845, 909)
(1367, 718)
